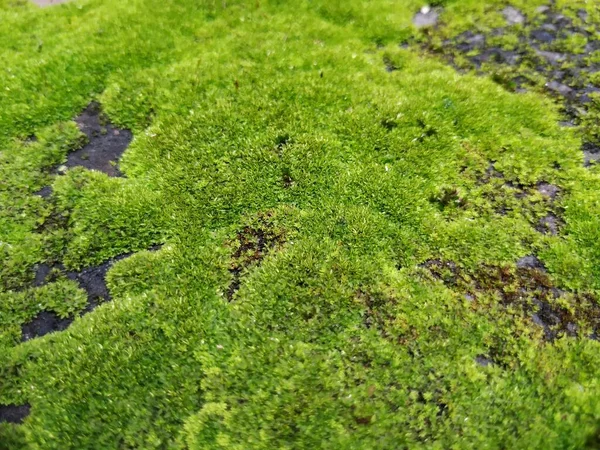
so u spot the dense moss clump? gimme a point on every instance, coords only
(275, 224)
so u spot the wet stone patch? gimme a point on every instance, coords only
(44, 323)
(105, 146)
(550, 224)
(483, 361)
(591, 153)
(14, 413)
(549, 52)
(91, 279)
(378, 313)
(45, 192)
(45, 3)
(426, 17)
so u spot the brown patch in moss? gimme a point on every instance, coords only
(538, 203)
(526, 290)
(380, 314)
(251, 245)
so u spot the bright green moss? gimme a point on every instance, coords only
(299, 168)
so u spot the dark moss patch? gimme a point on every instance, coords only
(539, 202)
(106, 143)
(390, 65)
(14, 413)
(282, 140)
(448, 197)
(55, 220)
(374, 314)
(389, 124)
(286, 177)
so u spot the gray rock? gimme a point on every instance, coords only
(549, 225)
(427, 17)
(551, 57)
(530, 262)
(483, 361)
(559, 88)
(566, 123)
(561, 20)
(542, 36)
(513, 16)
(538, 320)
(548, 190)
(591, 153)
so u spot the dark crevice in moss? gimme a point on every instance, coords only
(103, 147)
(45, 192)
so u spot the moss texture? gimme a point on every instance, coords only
(345, 225)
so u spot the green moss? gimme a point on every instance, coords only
(574, 44)
(300, 169)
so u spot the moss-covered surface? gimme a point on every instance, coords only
(361, 247)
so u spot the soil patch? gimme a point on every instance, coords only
(14, 413)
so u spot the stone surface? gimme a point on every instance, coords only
(427, 17)
(44, 3)
(513, 16)
(530, 262)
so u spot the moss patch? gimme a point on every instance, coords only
(343, 219)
